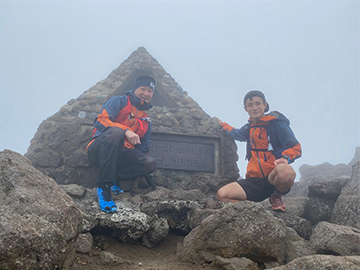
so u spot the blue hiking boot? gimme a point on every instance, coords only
(105, 201)
(116, 188)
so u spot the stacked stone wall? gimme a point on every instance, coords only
(58, 147)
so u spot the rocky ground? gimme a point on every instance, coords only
(133, 256)
(47, 223)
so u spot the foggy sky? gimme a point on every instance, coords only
(304, 55)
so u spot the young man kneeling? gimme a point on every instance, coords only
(271, 147)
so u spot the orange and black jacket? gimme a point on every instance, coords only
(126, 112)
(270, 139)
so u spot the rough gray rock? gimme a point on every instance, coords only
(356, 157)
(234, 264)
(196, 216)
(310, 175)
(325, 170)
(128, 224)
(328, 190)
(243, 229)
(319, 210)
(37, 218)
(347, 207)
(294, 217)
(323, 262)
(74, 191)
(335, 239)
(84, 243)
(231, 236)
(323, 196)
(301, 225)
(187, 195)
(107, 258)
(157, 233)
(294, 205)
(175, 211)
(221, 233)
(146, 218)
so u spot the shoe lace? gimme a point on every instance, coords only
(106, 194)
(277, 200)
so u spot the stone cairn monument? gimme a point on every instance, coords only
(191, 150)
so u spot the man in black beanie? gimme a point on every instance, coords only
(121, 141)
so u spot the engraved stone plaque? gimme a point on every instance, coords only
(180, 152)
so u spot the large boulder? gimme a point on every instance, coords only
(38, 220)
(234, 264)
(294, 217)
(294, 205)
(335, 239)
(328, 190)
(347, 207)
(243, 229)
(301, 225)
(145, 218)
(323, 262)
(325, 169)
(319, 210)
(128, 224)
(311, 175)
(322, 198)
(356, 157)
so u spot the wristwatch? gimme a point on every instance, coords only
(286, 157)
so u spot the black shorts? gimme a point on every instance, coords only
(257, 189)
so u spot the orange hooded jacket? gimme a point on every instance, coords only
(126, 112)
(268, 140)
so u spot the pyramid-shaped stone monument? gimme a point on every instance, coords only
(191, 149)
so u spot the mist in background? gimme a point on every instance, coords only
(304, 55)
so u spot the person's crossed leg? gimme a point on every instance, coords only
(281, 177)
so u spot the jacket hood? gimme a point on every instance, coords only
(278, 116)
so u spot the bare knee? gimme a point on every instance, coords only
(220, 194)
(287, 174)
(283, 176)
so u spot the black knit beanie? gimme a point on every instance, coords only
(144, 80)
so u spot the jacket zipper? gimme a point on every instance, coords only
(257, 153)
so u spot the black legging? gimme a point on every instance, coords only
(114, 161)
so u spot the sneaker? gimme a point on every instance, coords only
(116, 189)
(277, 203)
(105, 201)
